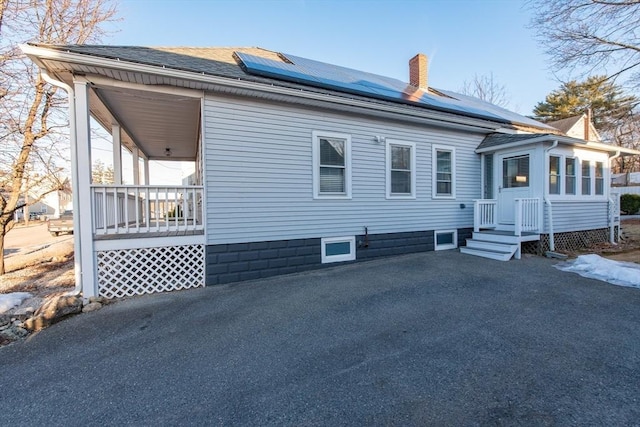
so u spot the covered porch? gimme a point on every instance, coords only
(146, 237)
(133, 235)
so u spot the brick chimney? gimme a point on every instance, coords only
(418, 71)
(587, 124)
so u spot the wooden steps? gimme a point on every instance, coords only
(498, 245)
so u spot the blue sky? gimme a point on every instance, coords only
(460, 37)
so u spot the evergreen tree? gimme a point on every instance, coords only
(607, 102)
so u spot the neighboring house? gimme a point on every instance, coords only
(301, 164)
(50, 206)
(580, 127)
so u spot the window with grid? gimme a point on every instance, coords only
(554, 175)
(332, 168)
(599, 178)
(444, 172)
(570, 175)
(586, 177)
(400, 169)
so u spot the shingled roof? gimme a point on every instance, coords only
(564, 125)
(222, 62)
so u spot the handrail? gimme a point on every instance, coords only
(527, 215)
(123, 209)
(485, 214)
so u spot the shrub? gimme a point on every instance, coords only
(630, 203)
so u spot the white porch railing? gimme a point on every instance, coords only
(485, 214)
(527, 215)
(121, 209)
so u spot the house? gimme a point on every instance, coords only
(301, 164)
(579, 126)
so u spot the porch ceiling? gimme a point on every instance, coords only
(154, 121)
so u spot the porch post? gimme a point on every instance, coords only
(83, 211)
(136, 166)
(117, 154)
(146, 171)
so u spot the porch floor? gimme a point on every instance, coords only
(170, 233)
(525, 236)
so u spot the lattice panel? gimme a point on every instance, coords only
(128, 272)
(570, 242)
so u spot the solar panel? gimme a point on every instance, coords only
(342, 79)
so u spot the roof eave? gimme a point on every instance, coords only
(598, 146)
(38, 53)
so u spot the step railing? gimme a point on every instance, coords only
(485, 214)
(121, 209)
(527, 216)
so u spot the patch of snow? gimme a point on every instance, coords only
(595, 267)
(14, 299)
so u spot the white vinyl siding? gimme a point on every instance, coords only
(259, 175)
(577, 215)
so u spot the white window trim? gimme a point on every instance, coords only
(316, 135)
(338, 258)
(446, 246)
(578, 196)
(434, 167)
(412, 146)
(591, 183)
(559, 175)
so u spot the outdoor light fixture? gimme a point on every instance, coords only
(167, 152)
(379, 139)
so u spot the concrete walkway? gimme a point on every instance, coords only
(437, 338)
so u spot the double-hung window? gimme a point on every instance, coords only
(401, 169)
(554, 175)
(444, 172)
(599, 178)
(331, 165)
(586, 177)
(570, 175)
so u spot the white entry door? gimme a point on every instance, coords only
(514, 182)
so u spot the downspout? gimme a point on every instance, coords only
(77, 253)
(547, 202)
(612, 225)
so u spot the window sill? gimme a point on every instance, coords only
(399, 197)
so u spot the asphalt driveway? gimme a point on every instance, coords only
(437, 338)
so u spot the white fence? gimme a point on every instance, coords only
(121, 209)
(635, 189)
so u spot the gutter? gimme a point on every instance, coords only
(547, 202)
(77, 253)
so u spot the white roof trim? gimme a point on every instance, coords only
(598, 146)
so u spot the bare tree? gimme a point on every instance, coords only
(486, 88)
(31, 111)
(591, 36)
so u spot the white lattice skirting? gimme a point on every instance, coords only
(128, 272)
